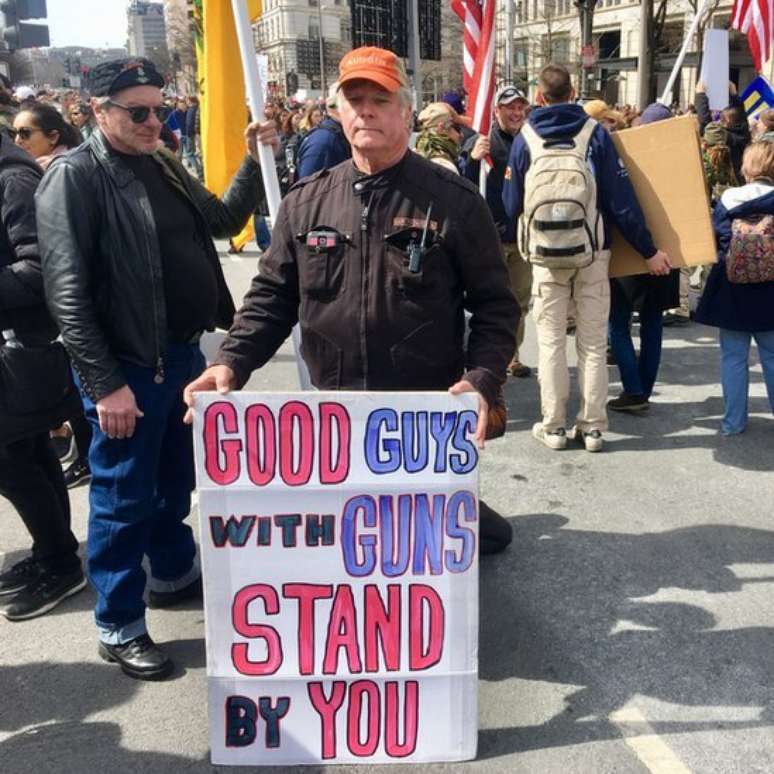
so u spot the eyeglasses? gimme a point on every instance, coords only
(25, 132)
(139, 113)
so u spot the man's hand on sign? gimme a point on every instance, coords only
(483, 409)
(217, 377)
(264, 132)
(480, 148)
(118, 413)
(659, 263)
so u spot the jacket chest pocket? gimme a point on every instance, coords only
(322, 264)
(418, 269)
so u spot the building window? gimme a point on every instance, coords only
(346, 31)
(314, 28)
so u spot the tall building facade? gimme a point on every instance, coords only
(289, 33)
(549, 30)
(146, 28)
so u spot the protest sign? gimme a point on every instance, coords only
(714, 68)
(664, 163)
(339, 542)
(758, 96)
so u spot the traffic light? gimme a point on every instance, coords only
(18, 33)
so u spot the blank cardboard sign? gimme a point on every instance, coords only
(666, 170)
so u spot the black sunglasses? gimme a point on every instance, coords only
(140, 113)
(24, 132)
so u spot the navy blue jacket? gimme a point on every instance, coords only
(616, 200)
(500, 143)
(723, 303)
(324, 147)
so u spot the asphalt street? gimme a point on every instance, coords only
(629, 628)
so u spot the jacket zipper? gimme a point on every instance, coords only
(364, 286)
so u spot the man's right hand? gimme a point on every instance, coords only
(659, 263)
(118, 413)
(480, 148)
(700, 87)
(217, 377)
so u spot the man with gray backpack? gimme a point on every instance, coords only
(565, 186)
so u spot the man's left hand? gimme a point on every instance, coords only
(263, 132)
(483, 409)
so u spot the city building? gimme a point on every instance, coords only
(289, 33)
(146, 29)
(58, 67)
(549, 30)
(178, 19)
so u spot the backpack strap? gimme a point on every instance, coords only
(583, 138)
(533, 139)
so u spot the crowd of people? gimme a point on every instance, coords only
(104, 213)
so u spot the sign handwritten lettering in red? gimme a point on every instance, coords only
(339, 537)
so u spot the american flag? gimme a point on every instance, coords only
(756, 19)
(478, 57)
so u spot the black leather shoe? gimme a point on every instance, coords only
(139, 658)
(157, 599)
(494, 532)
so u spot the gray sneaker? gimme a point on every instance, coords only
(553, 439)
(591, 439)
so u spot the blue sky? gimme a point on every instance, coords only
(92, 23)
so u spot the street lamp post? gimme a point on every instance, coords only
(323, 85)
(586, 9)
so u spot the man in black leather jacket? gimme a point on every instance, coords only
(371, 317)
(132, 277)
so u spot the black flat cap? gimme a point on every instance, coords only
(110, 77)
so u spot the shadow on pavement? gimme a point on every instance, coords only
(97, 747)
(571, 590)
(42, 692)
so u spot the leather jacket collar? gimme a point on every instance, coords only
(362, 184)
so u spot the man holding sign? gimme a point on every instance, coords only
(377, 259)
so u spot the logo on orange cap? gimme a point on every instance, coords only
(373, 64)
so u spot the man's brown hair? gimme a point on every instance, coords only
(555, 84)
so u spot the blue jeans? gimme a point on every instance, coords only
(638, 375)
(734, 374)
(140, 495)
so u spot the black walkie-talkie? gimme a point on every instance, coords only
(417, 250)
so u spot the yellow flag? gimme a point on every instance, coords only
(223, 108)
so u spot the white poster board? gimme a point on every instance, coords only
(714, 68)
(339, 541)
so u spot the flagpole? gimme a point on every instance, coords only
(255, 99)
(265, 153)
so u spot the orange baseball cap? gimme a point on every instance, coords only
(373, 64)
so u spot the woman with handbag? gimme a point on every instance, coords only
(739, 295)
(35, 395)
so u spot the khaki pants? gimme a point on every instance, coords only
(520, 274)
(553, 292)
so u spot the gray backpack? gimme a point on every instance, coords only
(560, 227)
